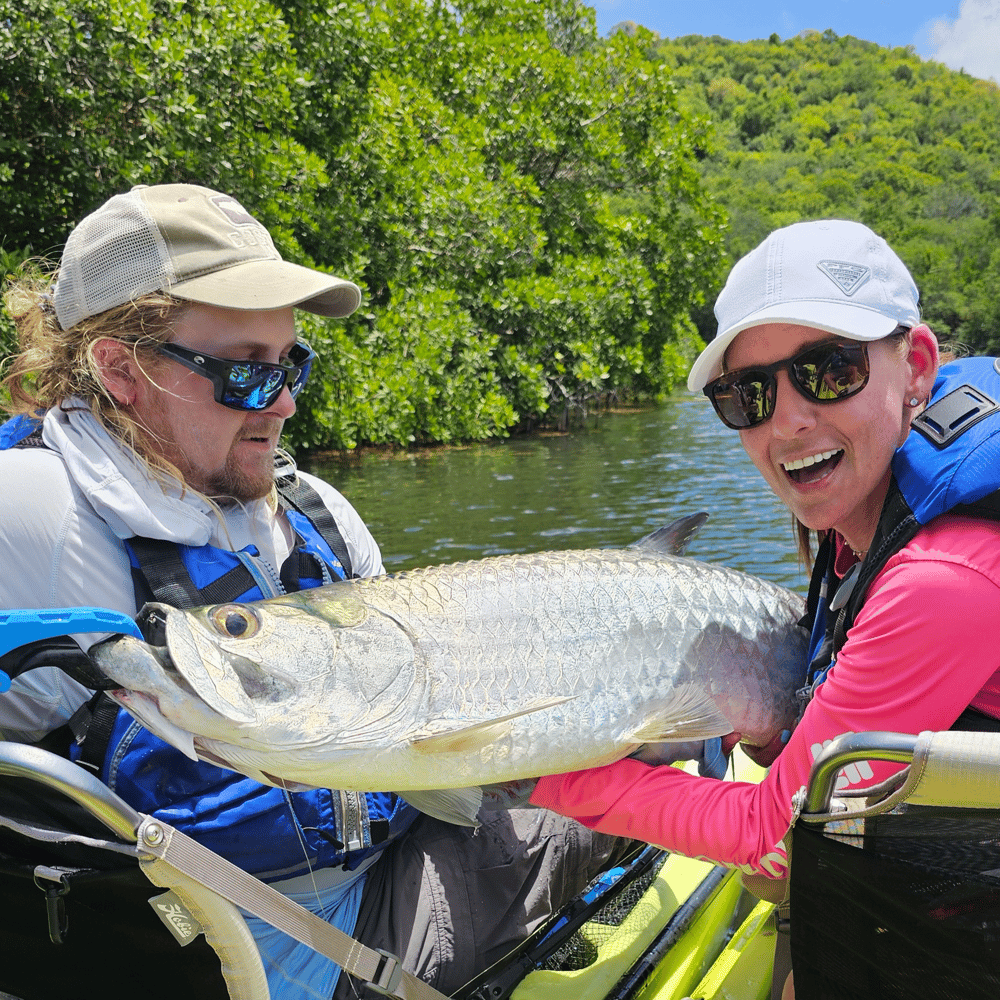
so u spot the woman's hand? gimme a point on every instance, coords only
(765, 756)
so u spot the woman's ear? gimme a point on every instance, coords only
(115, 367)
(923, 361)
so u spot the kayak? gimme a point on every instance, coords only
(695, 932)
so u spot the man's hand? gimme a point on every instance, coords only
(711, 755)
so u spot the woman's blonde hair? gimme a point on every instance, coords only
(53, 364)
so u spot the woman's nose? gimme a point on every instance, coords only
(793, 413)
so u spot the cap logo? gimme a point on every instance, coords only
(233, 210)
(250, 233)
(847, 277)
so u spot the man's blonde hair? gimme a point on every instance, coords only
(53, 364)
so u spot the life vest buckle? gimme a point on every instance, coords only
(952, 415)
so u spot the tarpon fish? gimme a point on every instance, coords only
(473, 673)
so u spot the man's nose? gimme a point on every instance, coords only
(284, 405)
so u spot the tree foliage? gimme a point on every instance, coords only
(537, 217)
(518, 199)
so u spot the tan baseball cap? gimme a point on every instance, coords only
(193, 243)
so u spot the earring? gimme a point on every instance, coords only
(914, 401)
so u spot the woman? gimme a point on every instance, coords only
(822, 365)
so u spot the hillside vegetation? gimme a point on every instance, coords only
(538, 218)
(821, 126)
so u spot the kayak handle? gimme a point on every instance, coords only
(22, 627)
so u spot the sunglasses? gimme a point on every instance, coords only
(247, 385)
(823, 373)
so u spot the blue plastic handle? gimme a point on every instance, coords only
(18, 628)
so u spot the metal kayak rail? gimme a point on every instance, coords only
(17, 760)
(850, 749)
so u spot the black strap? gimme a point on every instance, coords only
(95, 736)
(896, 526)
(302, 497)
(167, 579)
(824, 573)
(32, 440)
(298, 565)
(822, 570)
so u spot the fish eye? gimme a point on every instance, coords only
(234, 621)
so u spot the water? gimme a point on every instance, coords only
(604, 485)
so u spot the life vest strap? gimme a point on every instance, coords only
(302, 497)
(167, 578)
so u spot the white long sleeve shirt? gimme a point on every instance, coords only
(64, 512)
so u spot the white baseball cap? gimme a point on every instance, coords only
(831, 275)
(193, 243)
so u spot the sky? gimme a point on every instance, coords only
(963, 34)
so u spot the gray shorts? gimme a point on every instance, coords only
(451, 901)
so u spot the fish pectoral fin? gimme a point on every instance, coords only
(459, 806)
(288, 786)
(689, 714)
(449, 737)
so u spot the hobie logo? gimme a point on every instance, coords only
(847, 277)
(176, 916)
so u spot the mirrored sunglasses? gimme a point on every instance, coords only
(823, 373)
(247, 385)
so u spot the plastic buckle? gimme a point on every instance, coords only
(53, 882)
(952, 415)
(388, 975)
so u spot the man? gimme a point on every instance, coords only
(154, 377)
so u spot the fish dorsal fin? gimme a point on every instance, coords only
(450, 737)
(672, 539)
(688, 714)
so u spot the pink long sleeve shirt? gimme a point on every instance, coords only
(923, 648)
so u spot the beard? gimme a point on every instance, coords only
(235, 483)
(239, 480)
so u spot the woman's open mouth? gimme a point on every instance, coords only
(812, 468)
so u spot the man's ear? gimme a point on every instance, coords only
(116, 369)
(923, 361)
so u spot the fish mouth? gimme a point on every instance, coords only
(144, 674)
(158, 664)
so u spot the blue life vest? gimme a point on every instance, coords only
(951, 464)
(264, 830)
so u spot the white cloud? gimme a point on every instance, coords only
(972, 41)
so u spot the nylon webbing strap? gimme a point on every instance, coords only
(380, 969)
(96, 735)
(302, 497)
(170, 583)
